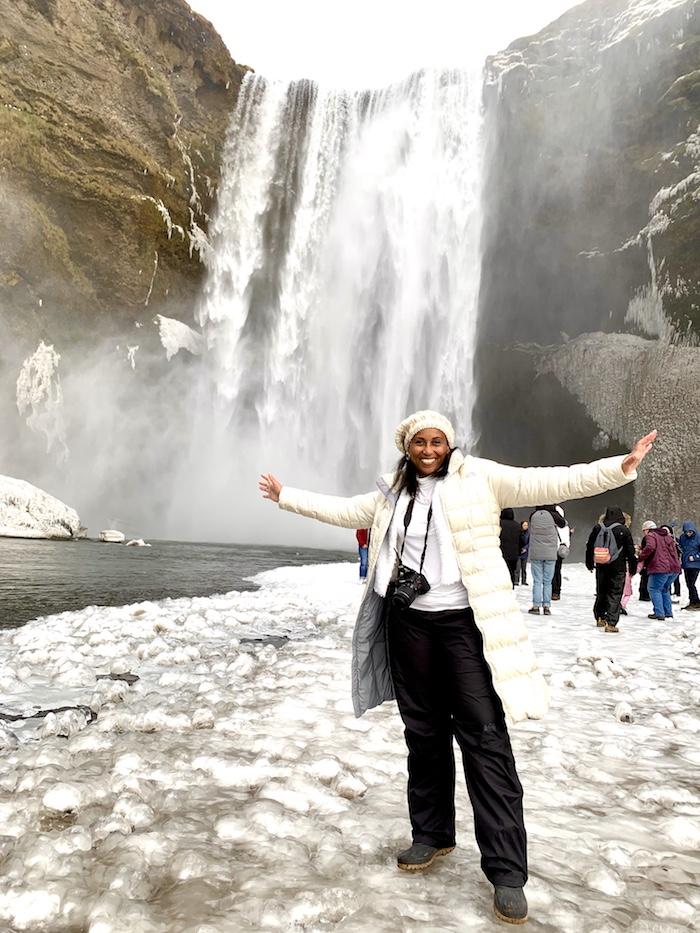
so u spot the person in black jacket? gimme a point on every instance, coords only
(510, 541)
(610, 578)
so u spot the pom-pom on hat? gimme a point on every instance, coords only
(419, 420)
(646, 526)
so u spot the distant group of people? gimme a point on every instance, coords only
(660, 557)
(544, 541)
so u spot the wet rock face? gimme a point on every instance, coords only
(113, 116)
(592, 214)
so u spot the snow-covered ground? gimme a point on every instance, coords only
(231, 789)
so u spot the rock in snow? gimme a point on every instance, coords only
(111, 536)
(28, 512)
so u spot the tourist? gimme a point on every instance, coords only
(660, 557)
(544, 544)
(689, 542)
(610, 552)
(440, 630)
(564, 534)
(643, 576)
(521, 571)
(510, 541)
(362, 536)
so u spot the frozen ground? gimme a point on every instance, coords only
(231, 789)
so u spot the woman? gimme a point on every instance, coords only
(644, 596)
(455, 656)
(660, 558)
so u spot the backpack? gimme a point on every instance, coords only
(605, 547)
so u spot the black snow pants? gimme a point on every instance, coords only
(512, 565)
(644, 586)
(556, 579)
(444, 689)
(609, 587)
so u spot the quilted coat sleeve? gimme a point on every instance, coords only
(516, 486)
(356, 512)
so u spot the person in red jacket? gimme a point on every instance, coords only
(660, 558)
(362, 535)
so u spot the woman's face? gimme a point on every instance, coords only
(524, 525)
(427, 451)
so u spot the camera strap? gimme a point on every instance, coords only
(407, 521)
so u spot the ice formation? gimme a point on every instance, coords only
(231, 790)
(28, 512)
(40, 399)
(176, 336)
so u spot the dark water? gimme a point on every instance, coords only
(38, 578)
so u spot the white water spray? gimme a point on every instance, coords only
(344, 268)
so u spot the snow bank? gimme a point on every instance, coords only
(28, 512)
(230, 788)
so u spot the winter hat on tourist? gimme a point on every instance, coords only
(419, 420)
(646, 526)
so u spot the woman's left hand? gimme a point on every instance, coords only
(638, 453)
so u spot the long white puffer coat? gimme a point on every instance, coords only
(472, 496)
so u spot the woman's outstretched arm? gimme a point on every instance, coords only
(355, 512)
(516, 486)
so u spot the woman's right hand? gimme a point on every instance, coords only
(270, 487)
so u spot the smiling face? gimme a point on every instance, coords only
(428, 450)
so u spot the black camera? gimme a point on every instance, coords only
(409, 584)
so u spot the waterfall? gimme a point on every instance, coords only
(343, 272)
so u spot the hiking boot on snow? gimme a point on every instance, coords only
(509, 904)
(535, 611)
(546, 611)
(601, 623)
(658, 618)
(420, 856)
(611, 628)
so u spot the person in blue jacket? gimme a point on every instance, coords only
(689, 542)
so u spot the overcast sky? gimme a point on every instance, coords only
(363, 43)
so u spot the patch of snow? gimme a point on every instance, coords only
(28, 512)
(176, 336)
(230, 787)
(112, 536)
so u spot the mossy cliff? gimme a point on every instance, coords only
(113, 114)
(592, 225)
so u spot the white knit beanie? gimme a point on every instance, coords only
(419, 420)
(647, 526)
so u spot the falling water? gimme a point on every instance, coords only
(344, 268)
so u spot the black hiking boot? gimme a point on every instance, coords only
(420, 856)
(535, 611)
(509, 904)
(546, 611)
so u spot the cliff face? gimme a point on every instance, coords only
(112, 119)
(592, 204)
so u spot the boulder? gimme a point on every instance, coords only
(111, 536)
(28, 512)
